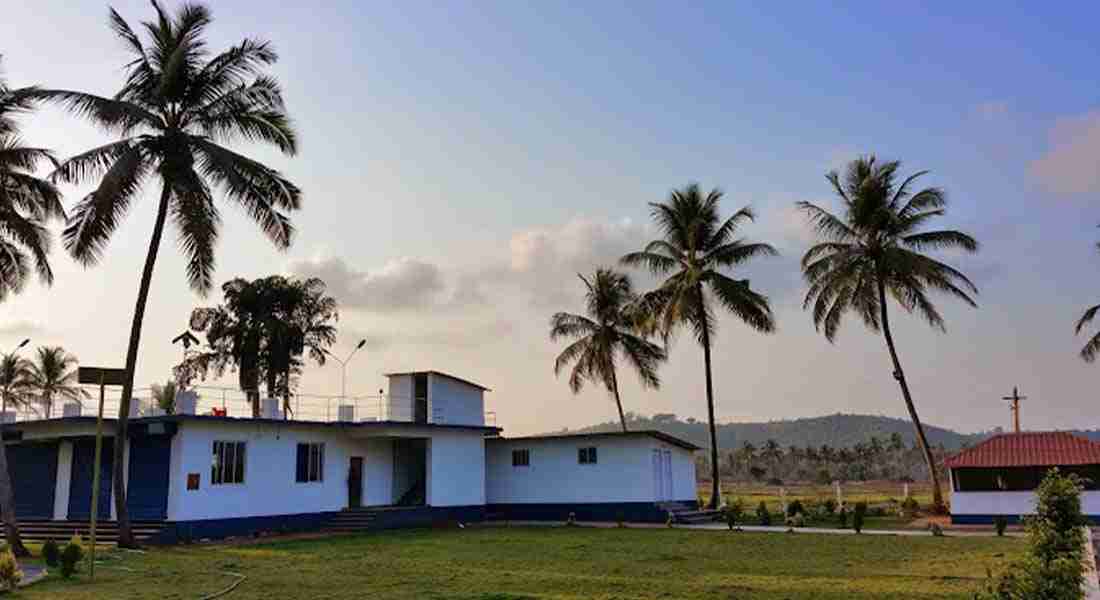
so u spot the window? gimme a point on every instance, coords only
(311, 463)
(228, 463)
(586, 456)
(521, 458)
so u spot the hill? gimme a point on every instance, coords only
(838, 430)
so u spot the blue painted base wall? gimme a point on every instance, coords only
(637, 512)
(1012, 519)
(175, 532)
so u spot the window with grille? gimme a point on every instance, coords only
(587, 456)
(521, 458)
(311, 463)
(228, 463)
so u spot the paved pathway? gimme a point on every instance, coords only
(759, 529)
(31, 575)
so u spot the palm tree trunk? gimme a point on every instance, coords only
(125, 536)
(7, 502)
(715, 485)
(937, 493)
(618, 401)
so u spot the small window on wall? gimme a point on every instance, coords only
(587, 456)
(521, 458)
(228, 461)
(311, 463)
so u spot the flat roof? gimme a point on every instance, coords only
(653, 433)
(441, 374)
(244, 420)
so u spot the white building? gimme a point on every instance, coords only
(424, 453)
(998, 477)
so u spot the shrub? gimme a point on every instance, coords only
(796, 520)
(795, 508)
(71, 557)
(909, 508)
(571, 520)
(733, 513)
(842, 518)
(936, 530)
(620, 518)
(1053, 569)
(829, 506)
(762, 514)
(858, 515)
(1000, 523)
(10, 575)
(51, 552)
(671, 520)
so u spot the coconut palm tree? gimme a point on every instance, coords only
(15, 392)
(53, 377)
(874, 249)
(695, 250)
(27, 202)
(1090, 350)
(603, 335)
(179, 112)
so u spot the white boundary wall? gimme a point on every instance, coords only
(1011, 503)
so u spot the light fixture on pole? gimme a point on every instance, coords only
(344, 367)
(21, 344)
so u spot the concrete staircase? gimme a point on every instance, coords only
(352, 520)
(106, 531)
(686, 514)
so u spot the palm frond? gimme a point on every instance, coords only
(657, 264)
(114, 116)
(96, 217)
(941, 240)
(197, 220)
(826, 224)
(737, 253)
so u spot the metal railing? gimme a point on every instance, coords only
(231, 402)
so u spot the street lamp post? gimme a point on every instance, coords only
(344, 368)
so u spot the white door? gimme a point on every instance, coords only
(668, 474)
(658, 476)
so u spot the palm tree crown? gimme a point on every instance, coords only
(176, 111)
(16, 375)
(606, 333)
(26, 202)
(878, 240)
(54, 377)
(1092, 347)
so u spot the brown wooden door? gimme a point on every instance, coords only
(355, 482)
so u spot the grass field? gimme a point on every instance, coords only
(554, 563)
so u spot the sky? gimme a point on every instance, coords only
(462, 162)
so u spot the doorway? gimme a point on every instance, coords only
(355, 482)
(662, 474)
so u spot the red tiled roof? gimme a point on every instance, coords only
(1029, 449)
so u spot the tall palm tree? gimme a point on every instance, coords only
(27, 203)
(874, 250)
(178, 111)
(604, 334)
(15, 392)
(53, 377)
(1090, 350)
(695, 248)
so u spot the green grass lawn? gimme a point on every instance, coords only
(554, 563)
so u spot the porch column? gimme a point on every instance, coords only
(64, 480)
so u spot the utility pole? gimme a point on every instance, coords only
(1015, 400)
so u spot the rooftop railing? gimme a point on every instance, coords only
(231, 402)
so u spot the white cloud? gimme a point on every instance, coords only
(21, 329)
(1072, 164)
(401, 284)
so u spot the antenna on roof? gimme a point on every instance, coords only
(1015, 400)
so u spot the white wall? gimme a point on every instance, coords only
(623, 473)
(453, 402)
(1010, 503)
(270, 467)
(456, 468)
(377, 472)
(399, 402)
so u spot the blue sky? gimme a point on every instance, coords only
(462, 160)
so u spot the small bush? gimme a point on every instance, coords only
(858, 514)
(909, 508)
(571, 520)
(842, 518)
(936, 530)
(829, 506)
(795, 508)
(10, 575)
(671, 520)
(1000, 523)
(796, 520)
(71, 557)
(733, 513)
(762, 514)
(51, 553)
(620, 518)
